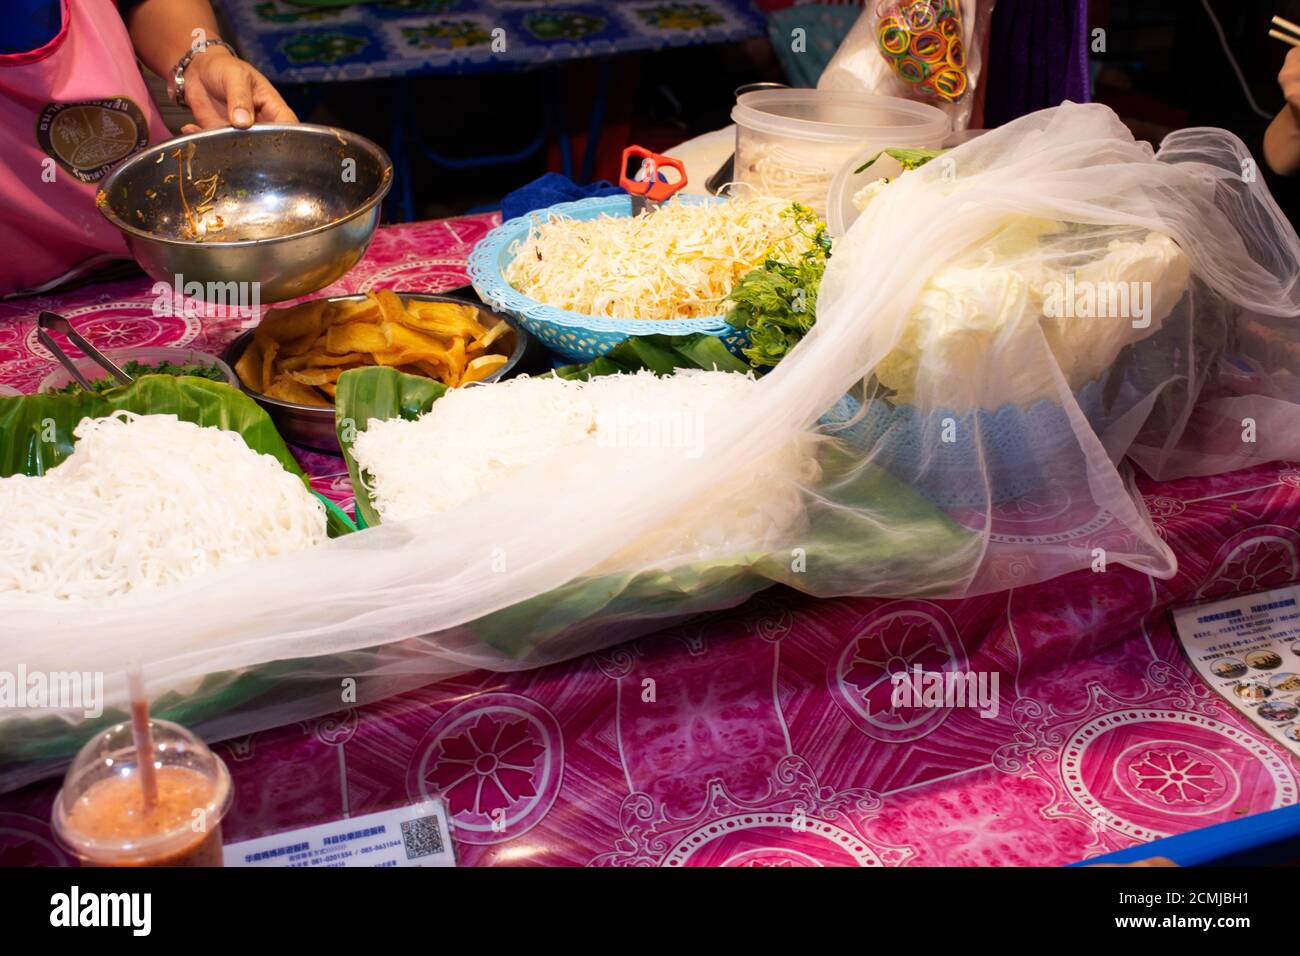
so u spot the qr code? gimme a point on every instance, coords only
(421, 837)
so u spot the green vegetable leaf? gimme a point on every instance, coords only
(907, 158)
(662, 354)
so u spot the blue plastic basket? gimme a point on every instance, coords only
(578, 337)
(995, 452)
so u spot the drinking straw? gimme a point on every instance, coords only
(143, 737)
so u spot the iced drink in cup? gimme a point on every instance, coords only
(109, 814)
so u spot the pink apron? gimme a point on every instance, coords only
(69, 112)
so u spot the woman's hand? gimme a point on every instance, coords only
(1289, 79)
(223, 90)
(1282, 138)
(220, 88)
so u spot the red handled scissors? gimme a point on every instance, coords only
(645, 179)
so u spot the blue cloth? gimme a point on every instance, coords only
(29, 24)
(825, 28)
(549, 189)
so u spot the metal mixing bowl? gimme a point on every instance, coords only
(293, 208)
(312, 426)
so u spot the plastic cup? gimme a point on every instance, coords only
(101, 817)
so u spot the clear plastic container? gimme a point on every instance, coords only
(840, 209)
(100, 817)
(150, 355)
(791, 143)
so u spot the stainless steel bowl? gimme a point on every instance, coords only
(313, 426)
(293, 208)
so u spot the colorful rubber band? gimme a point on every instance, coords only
(957, 55)
(913, 71)
(928, 47)
(950, 83)
(920, 16)
(922, 42)
(894, 40)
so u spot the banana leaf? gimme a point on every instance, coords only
(562, 622)
(376, 392)
(36, 430)
(662, 354)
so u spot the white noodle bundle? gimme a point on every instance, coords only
(793, 170)
(475, 439)
(145, 501)
(678, 262)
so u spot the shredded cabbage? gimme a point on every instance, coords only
(677, 262)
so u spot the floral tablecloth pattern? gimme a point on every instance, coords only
(293, 43)
(769, 738)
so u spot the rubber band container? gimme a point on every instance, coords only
(791, 143)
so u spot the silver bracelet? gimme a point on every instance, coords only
(176, 87)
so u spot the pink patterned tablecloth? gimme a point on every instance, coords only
(771, 739)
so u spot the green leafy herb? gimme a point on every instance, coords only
(777, 302)
(907, 158)
(135, 369)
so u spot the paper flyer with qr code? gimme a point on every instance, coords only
(1247, 647)
(416, 835)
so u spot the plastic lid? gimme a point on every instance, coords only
(839, 116)
(840, 211)
(98, 814)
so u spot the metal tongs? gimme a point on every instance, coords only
(52, 320)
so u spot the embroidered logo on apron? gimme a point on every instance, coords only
(90, 137)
